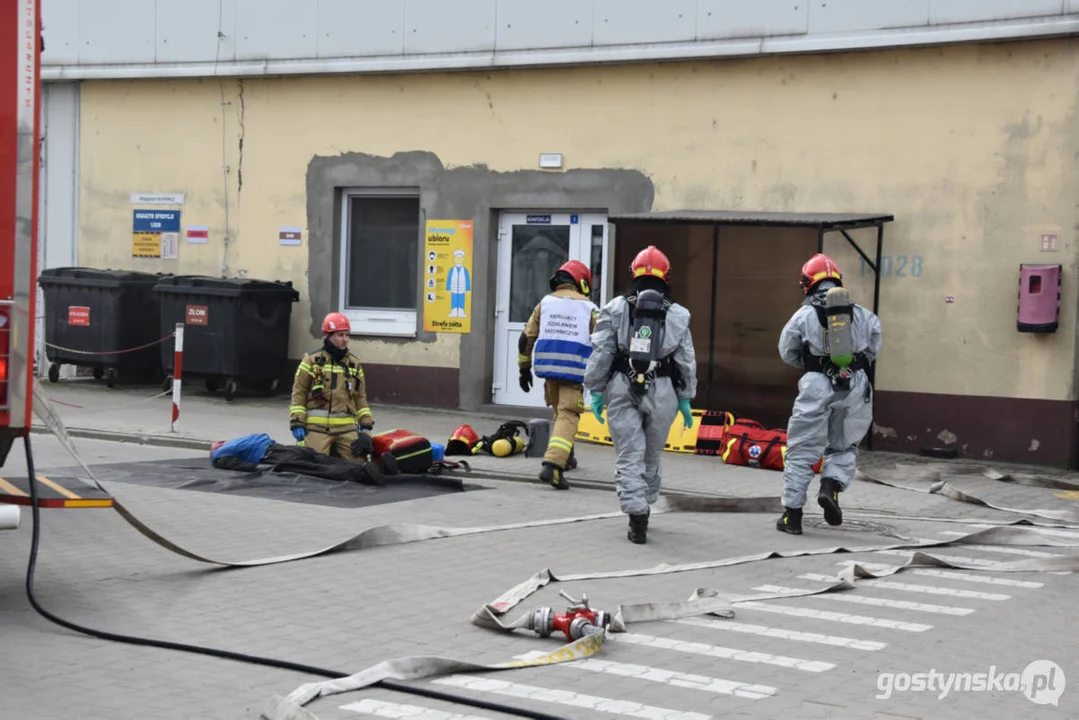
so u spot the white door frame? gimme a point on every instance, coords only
(58, 195)
(505, 389)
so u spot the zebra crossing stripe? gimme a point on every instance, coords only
(782, 633)
(949, 574)
(668, 677)
(383, 709)
(863, 600)
(913, 587)
(603, 705)
(833, 616)
(718, 651)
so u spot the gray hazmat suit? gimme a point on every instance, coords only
(825, 421)
(639, 424)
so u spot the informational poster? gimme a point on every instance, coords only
(447, 276)
(155, 233)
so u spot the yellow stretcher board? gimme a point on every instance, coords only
(679, 437)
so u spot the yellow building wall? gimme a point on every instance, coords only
(971, 147)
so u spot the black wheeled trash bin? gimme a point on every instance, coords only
(236, 330)
(106, 320)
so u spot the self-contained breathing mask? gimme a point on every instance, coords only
(647, 330)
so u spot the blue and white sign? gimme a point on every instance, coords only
(538, 219)
(574, 219)
(156, 221)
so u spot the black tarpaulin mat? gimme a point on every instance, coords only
(197, 474)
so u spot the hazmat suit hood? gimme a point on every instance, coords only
(648, 282)
(816, 298)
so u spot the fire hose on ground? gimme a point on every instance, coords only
(226, 654)
(583, 627)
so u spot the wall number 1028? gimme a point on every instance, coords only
(897, 266)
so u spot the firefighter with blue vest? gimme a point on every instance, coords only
(556, 343)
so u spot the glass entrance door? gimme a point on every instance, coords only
(531, 247)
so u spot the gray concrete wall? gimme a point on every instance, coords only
(460, 193)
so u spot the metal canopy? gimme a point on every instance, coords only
(821, 221)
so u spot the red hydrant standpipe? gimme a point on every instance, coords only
(578, 621)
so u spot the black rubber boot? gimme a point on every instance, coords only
(571, 463)
(638, 528)
(828, 498)
(552, 475)
(791, 522)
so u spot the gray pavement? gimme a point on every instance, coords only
(807, 657)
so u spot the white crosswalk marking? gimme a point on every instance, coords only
(718, 651)
(950, 574)
(832, 616)
(667, 677)
(911, 587)
(950, 558)
(1070, 534)
(848, 597)
(964, 559)
(382, 709)
(1003, 550)
(565, 697)
(782, 634)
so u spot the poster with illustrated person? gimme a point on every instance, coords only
(447, 259)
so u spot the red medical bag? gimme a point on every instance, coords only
(402, 451)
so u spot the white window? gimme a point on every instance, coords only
(380, 243)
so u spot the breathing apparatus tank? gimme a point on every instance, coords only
(649, 311)
(504, 447)
(838, 336)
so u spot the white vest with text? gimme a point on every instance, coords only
(564, 344)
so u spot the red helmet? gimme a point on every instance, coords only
(651, 261)
(462, 440)
(817, 268)
(582, 276)
(335, 322)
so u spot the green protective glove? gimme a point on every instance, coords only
(687, 414)
(597, 406)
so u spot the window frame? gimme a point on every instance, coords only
(389, 322)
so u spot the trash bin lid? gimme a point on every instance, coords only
(96, 277)
(207, 285)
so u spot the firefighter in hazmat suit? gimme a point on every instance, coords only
(644, 368)
(834, 341)
(558, 330)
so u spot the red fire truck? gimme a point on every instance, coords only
(20, 80)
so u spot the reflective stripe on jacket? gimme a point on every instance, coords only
(328, 396)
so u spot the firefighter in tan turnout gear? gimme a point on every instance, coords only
(559, 331)
(329, 396)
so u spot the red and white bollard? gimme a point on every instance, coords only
(177, 374)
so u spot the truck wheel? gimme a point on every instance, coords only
(54, 372)
(230, 390)
(166, 386)
(99, 372)
(212, 385)
(110, 378)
